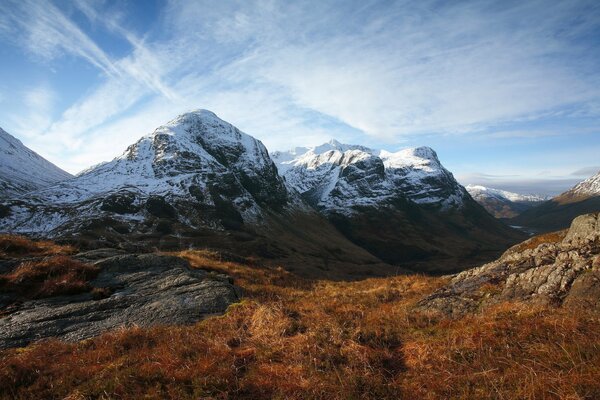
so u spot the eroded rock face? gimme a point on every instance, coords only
(564, 272)
(143, 290)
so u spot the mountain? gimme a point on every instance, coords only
(195, 181)
(22, 170)
(404, 207)
(501, 203)
(558, 212)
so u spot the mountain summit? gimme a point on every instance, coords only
(23, 170)
(196, 167)
(401, 206)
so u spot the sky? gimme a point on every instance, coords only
(507, 92)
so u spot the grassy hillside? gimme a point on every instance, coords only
(296, 338)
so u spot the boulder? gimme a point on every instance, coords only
(144, 290)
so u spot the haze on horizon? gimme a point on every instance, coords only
(507, 93)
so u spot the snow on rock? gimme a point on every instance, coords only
(339, 177)
(587, 188)
(197, 169)
(23, 170)
(480, 193)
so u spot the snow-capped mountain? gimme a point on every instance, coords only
(195, 181)
(197, 169)
(584, 189)
(23, 170)
(502, 203)
(336, 177)
(198, 180)
(400, 205)
(482, 192)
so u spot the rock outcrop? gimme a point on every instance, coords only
(144, 290)
(556, 269)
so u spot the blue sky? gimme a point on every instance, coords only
(507, 93)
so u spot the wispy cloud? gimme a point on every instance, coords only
(587, 171)
(296, 73)
(548, 186)
(38, 104)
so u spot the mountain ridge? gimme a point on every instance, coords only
(22, 170)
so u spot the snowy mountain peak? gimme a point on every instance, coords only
(588, 188)
(203, 169)
(336, 176)
(480, 192)
(423, 158)
(23, 170)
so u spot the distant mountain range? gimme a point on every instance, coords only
(501, 203)
(22, 170)
(199, 181)
(558, 212)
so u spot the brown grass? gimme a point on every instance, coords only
(19, 246)
(51, 276)
(552, 237)
(297, 339)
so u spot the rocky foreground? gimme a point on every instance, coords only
(131, 290)
(562, 268)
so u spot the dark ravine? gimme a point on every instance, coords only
(558, 269)
(144, 290)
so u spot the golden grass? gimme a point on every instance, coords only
(18, 246)
(551, 237)
(297, 339)
(50, 276)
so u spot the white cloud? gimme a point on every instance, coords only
(38, 104)
(390, 70)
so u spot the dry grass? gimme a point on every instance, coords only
(552, 237)
(296, 339)
(51, 276)
(19, 246)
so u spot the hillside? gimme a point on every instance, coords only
(22, 170)
(303, 339)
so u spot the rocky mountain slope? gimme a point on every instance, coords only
(195, 181)
(501, 203)
(562, 268)
(23, 170)
(402, 206)
(558, 212)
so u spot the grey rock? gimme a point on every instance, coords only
(561, 273)
(145, 290)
